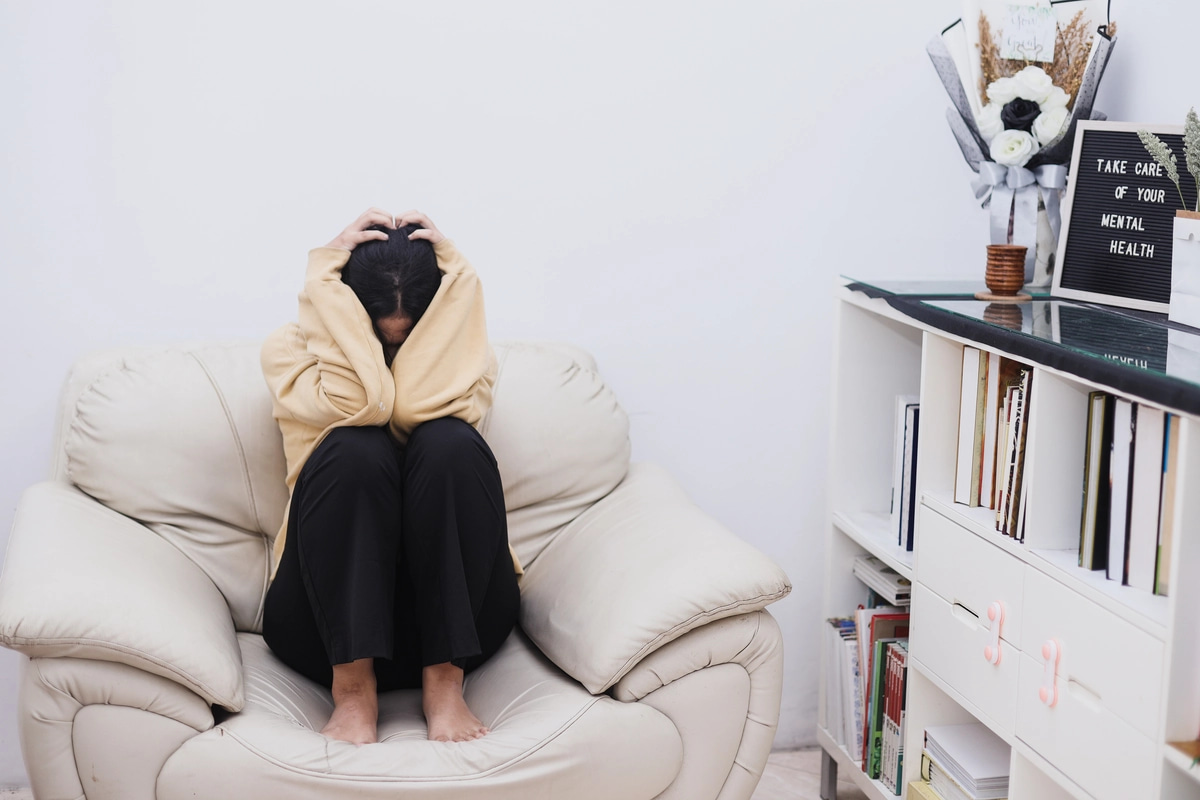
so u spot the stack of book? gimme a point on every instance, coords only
(1130, 477)
(965, 762)
(866, 671)
(904, 469)
(885, 582)
(992, 429)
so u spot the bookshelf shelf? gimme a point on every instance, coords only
(1127, 675)
(850, 768)
(1189, 766)
(873, 532)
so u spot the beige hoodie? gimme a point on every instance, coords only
(328, 371)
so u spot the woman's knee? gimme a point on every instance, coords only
(448, 442)
(361, 454)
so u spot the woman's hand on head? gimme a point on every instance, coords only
(356, 232)
(428, 231)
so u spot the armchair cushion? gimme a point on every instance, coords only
(640, 568)
(82, 581)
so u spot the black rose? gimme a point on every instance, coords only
(1019, 115)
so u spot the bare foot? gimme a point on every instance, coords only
(355, 703)
(446, 713)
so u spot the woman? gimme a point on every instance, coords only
(393, 568)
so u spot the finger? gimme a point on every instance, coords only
(414, 216)
(421, 234)
(366, 236)
(374, 218)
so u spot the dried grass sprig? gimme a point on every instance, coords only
(1191, 150)
(1158, 149)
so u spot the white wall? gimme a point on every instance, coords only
(671, 185)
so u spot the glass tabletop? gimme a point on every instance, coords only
(1138, 340)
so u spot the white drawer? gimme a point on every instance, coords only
(965, 570)
(1086, 742)
(1117, 665)
(950, 642)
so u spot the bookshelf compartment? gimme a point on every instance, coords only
(949, 641)
(1103, 661)
(967, 571)
(1183, 681)
(1080, 737)
(1054, 461)
(879, 359)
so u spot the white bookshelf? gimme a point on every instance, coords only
(1128, 679)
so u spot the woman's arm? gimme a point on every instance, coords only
(446, 368)
(330, 368)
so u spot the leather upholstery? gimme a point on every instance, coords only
(129, 573)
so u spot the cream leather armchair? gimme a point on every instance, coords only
(645, 666)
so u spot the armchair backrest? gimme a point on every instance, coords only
(182, 439)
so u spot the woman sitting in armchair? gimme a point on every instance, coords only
(392, 569)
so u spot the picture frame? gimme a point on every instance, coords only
(1117, 219)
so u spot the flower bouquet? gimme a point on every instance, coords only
(1020, 74)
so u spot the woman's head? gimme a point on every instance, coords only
(395, 281)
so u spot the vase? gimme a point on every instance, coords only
(1046, 249)
(1005, 274)
(1185, 269)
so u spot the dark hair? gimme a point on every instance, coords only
(393, 275)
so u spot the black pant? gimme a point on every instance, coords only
(400, 555)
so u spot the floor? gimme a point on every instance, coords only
(796, 775)
(793, 775)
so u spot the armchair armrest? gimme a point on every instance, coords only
(83, 581)
(637, 570)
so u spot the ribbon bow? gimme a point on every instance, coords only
(1015, 191)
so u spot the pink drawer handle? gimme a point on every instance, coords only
(1048, 694)
(995, 613)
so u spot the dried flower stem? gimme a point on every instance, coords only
(1157, 148)
(1191, 150)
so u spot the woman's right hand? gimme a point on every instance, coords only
(356, 232)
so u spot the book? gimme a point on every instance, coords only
(872, 764)
(891, 771)
(1005, 471)
(1118, 482)
(885, 581)
(909, 476)
(1166, 525)
(921, 790)
(1018, 405)
(1145, 494)
(833, 654)
(970, 426)
(872, 625)
(1018, 489)
(1002, 373)
(900, 434)
(971, 757)
(1093, 523)
(987, 479)
(851, 696)
(944, 786)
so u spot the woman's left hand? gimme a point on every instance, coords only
(428, 231)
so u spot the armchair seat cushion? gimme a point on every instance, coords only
(546, 730)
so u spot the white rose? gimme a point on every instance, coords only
(1049, 124)
(1032, 83)
(1056, 99)
(1013, 148)
(1002, 91)
(990, 124)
